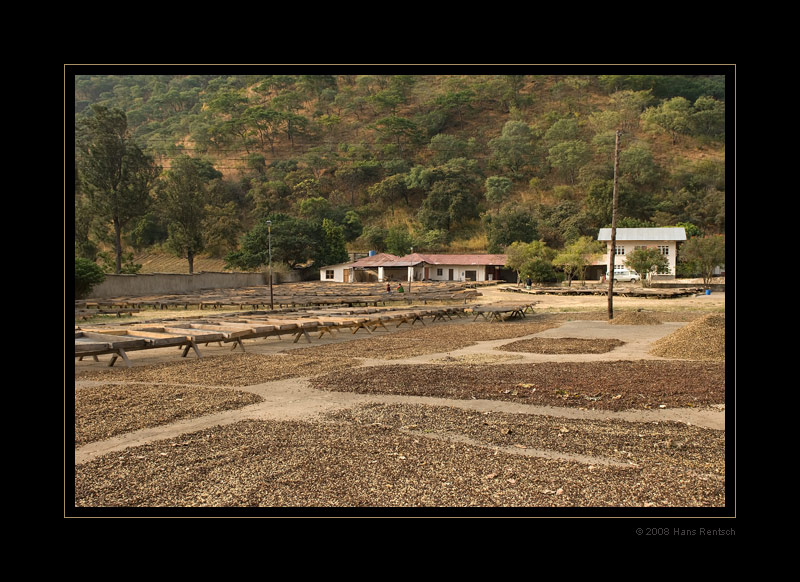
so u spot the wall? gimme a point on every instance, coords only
(171, 283)
(630, 245)
(338, 273)
(459, 272)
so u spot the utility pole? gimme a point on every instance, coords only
(269, 243)
(613, 251)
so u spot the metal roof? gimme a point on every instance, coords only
(388, 260)
(644, 234)
(437, 259)
(379, 260)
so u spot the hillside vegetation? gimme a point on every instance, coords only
(461, 163)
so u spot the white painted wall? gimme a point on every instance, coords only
(630, 245)
(338, 273)
(459, 272)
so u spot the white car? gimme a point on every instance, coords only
(626, 275)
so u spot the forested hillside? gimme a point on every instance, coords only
(461, 163)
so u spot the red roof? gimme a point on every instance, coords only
(436, 259)
(378, 260)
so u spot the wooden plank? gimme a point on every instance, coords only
(84, 344)
(198, 335)
(195, 329)
(116, 341)
(154, 338)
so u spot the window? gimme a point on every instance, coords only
(664, 250)
(329, 273)
(619, 250)
(439, 272)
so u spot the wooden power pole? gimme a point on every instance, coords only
(613, 251)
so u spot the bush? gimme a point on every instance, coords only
(87, 275)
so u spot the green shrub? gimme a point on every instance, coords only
(87, 275)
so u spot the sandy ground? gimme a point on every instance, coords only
(295, 399)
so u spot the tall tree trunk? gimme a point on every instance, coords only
(118, 244)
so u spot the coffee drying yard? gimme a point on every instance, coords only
(559, 409)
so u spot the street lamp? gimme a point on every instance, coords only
(412, 275)
(269, 242)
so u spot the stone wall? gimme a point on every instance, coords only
(174, 283)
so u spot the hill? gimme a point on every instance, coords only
(434, 162)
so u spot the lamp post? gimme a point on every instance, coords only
(269, 243)
(412, 275)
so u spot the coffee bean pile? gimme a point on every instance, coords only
(702, 339)
(104, 411)
(541, 345)
(635, 318)
(242, 369)
(359, 461)
(622, 385)
(430, 339)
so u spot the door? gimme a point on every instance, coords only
(450, 273)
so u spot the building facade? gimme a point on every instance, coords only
(420, 267)
(629, 239)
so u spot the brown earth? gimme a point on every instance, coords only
(434, 416)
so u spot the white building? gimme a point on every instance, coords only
(435, 267)
(339, 273)
(629, 239)
(418, 267)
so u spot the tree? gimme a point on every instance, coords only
(708, 117)
(533, 259)
(390, 190)
(453, 191)
(182, 200)
(513, 149)
(511, 223)
(703, 255)
(87, 275)
(672, 116)
(265, 123)
(577, 256)
(398, 241)
(497, 189)
(398, 130)
(646, 262)
(293, 240)
(114, 173)
(445, 147)
(568, 157)
(333, 250)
